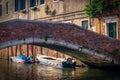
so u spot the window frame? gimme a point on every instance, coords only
(16, 5)
(114, 30)
(7, 7)
(85, 26)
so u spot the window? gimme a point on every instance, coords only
(32, 3)
(16, 8)
(85, 24)
(112, 31)
(0, 10)
(6, 7)
(42, 1)
(22, 4)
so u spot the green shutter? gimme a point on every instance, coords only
(16, 6)
(22, 4)
(112, 30)
(6, 7)
(85, 24)
(32, 3)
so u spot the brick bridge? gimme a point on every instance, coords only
(61, 35)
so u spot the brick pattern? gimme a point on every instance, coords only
(17, 29)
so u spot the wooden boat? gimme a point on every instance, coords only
(56, 62)
(22, 59)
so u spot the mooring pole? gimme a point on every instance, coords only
(8, 53)
(41, 50)
(11, 50)
(16, 50)
(27, 50)
(20, 50)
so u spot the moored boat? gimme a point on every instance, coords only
(56, 62)
(22, 59)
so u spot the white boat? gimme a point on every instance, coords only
(17, 60)
(55, 62)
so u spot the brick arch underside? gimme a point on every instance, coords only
(71, 49)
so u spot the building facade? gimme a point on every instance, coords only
(67, 11)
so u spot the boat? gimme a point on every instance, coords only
(22, 59)
(56, 62)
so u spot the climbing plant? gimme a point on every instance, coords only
(49, 12)
(96, 8)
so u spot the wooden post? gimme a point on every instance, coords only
(16, 50)
(56, 54)
(0, 53)
(47, 51)
(8, 53)
(32, 49)
(20, 49)
(41, 49)
(11, 50)
(27, 50)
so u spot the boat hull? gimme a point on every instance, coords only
(54, 62)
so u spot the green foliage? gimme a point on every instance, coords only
(23, 11)
(86, 47)
(97, 51)
(114, 52)
(21, 39)
(34, 8)
(117, 4)
(46, 37)
(53, 13)
(97, 7)
(47, 9)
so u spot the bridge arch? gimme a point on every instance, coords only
(59, 43)
(61, 34)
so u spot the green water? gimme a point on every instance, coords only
(13, 71)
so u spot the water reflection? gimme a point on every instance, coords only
(13, 71)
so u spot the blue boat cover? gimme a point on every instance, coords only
(23, 57)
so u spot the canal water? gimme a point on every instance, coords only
(13, 71)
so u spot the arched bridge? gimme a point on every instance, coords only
(62, 35)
